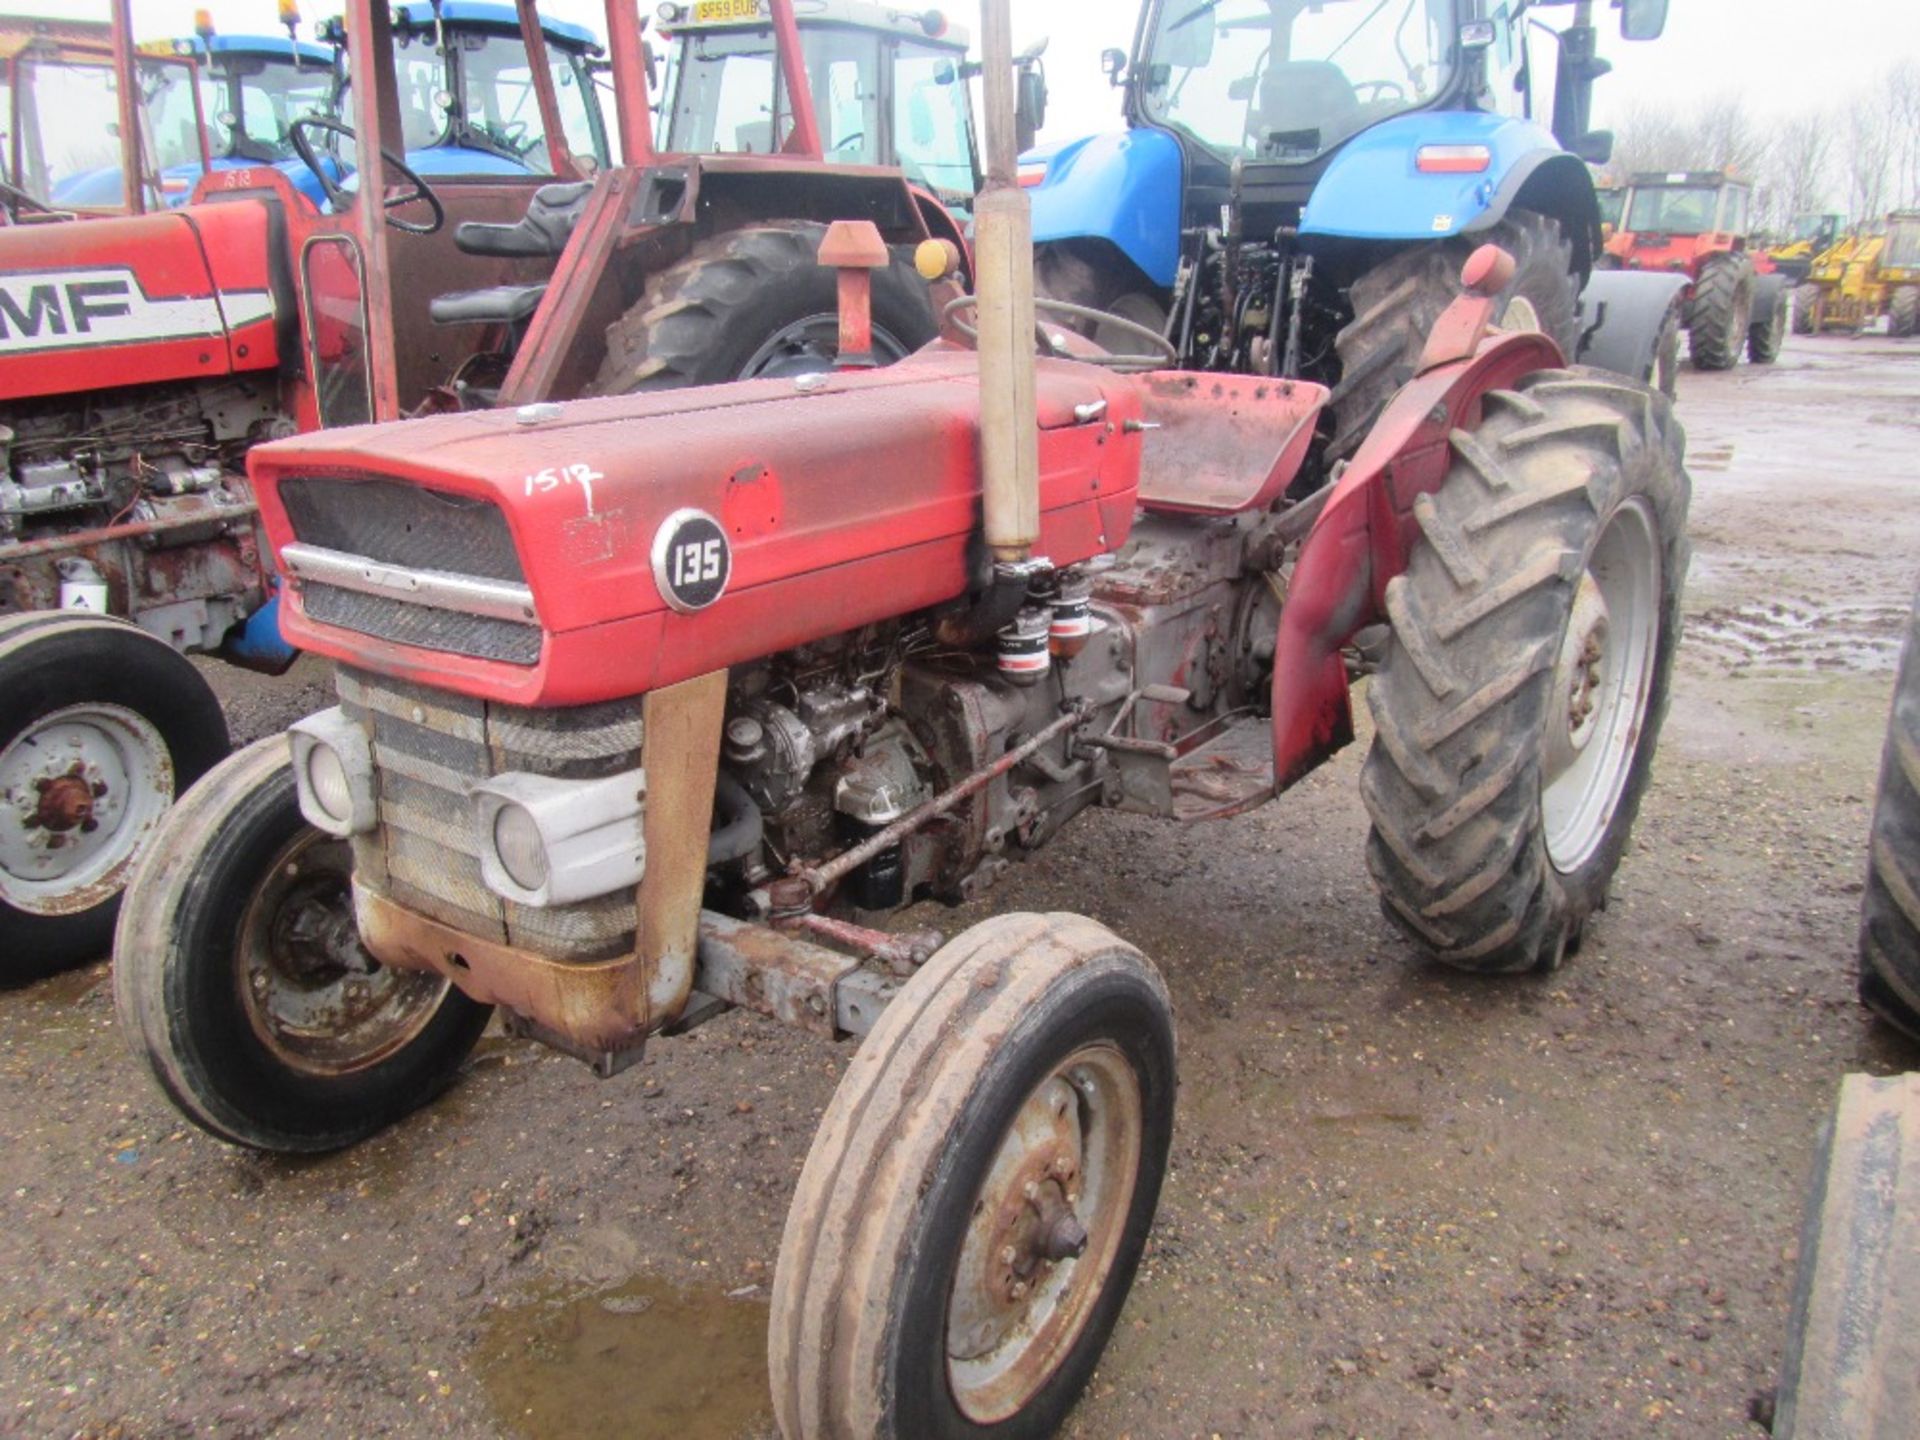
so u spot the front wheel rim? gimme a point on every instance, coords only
(313, 996)
(81, 792)
(1602, 685)
(1046, 1228)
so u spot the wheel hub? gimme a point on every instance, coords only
(1582, 667)
(66, 803)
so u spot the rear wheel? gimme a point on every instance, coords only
(1518, 709)
(242, 983)
(1765, 336)
(1060, 273)
(1890, 907)
(1722, 312)
(101, 726)
(754, 303)
(1396, 304)
(978, 1196)
(1903, 311)
(1806, 310)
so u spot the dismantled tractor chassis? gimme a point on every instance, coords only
(648, 704)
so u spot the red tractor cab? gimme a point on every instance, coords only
(1696, 225)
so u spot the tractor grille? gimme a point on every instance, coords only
(429, 747)
(426, 533)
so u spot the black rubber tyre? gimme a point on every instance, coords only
(232, 863)
(1666, 354)
(55, 663)
(1722, 312)
(1063, 273)
(1466, 704)
(712, 317)
(1765, 337)
(1396, 303)
(907, 1172)
(1806, 310)
(1903, 312)
(1890, 907)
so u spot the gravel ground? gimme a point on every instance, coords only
(1402, 1203)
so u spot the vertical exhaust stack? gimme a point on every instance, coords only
(1003, 268)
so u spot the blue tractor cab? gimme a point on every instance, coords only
(253, 87)
(467, 101)
(1300, 181)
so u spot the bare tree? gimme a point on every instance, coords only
(1714, 135)
(1796, 168)
(1902, 88)
(1869, 154)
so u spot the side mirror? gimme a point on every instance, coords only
(1642, 19)
(1595, 147)
(1030, 103)
(1113, 64)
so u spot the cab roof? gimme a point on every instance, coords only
(493, 17)
(926, 25)
(18, 32)
(268, 47)
(1712, 179)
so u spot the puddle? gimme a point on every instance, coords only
(1799, 634)
(642, 1362)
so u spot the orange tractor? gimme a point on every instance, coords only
(1695, 225)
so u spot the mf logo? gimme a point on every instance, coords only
(80, 308)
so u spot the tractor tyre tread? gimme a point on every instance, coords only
(1903, 312)
(1396, 303)
(1453, 783)
(1806, 309)
(701, 320)
(1765, 337)
(1890, 905)
(1716, 333)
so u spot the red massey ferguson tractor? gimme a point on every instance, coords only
(1696, 225)
(653, 706)
(143, 353)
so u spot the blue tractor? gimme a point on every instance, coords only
(1301, 180)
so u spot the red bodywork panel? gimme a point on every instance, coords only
(1676, 254)
(1366, 534)
(849, 503)
(175, 295)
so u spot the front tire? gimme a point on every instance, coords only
(1890, 906)
(1520, 703)
(101, 726)
(754, 303)
(978, 1196)
(1806, 310)
(1764, 337)
(242, 985)
(1396, 303)
(1903, 312)
(1722, 312)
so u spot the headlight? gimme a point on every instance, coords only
(547, 842)
(333, 773)
(516, 840)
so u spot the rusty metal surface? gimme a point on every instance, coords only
(793, 981)
(1852, 1365)
(682, 724)
(1225, 443)
(902, 954)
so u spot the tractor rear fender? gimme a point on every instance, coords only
(1366, 532)
(1121, 188)
(1374, 188)
(1622, 312)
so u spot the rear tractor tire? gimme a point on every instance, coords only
(1806, 310)
(242, 985)
(1765, 336)
(978, 1196)
(101, 726)
(1721, 317)
(754, 303)
(1062, 273)
(1890, 906)
(1520, 702)
(1903, 312)
(1396, 304)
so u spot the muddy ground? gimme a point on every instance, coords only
(1403, 1203)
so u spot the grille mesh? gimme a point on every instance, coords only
(429, 748)
(402, 525)
(404, 623)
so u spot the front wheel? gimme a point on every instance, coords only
(1806, 310)
(1721, 316)
(1520, 702)
(241, 981)
(101, 725)
(1903, 312)
(1766, 335)
(978, 1196)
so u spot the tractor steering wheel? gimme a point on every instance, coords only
(1377, 90)
(1101, 319)
(303, 147)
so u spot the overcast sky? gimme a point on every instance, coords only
(1781, 56)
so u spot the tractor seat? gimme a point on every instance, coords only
(544, 230)
(1305, 95)
(497, 305)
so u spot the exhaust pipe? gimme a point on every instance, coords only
(1003, 285)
